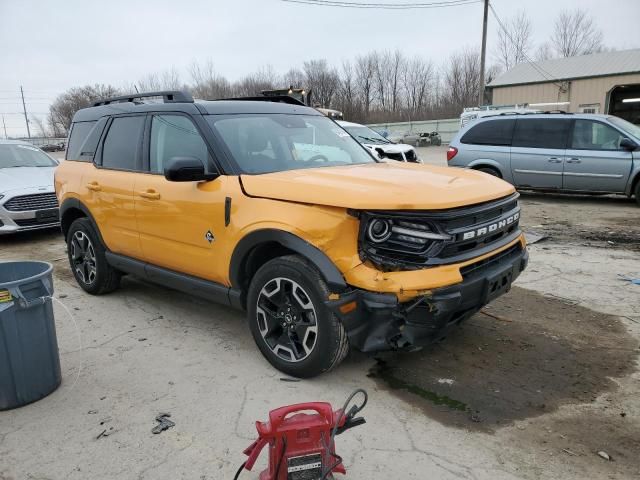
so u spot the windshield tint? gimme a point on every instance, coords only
(366, 135)
(626, 126)
(24, 156)
(263, 143)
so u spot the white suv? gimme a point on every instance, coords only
(380, 146)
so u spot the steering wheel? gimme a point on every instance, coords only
(317, 158)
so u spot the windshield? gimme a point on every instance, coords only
(16, 155)
(264, 143)
(366, 135)
(626, 126)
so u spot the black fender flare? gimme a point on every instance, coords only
(75, 204)
(319, 259)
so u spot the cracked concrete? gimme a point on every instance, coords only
(198, 362)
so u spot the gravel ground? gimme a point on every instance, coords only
(531, 388)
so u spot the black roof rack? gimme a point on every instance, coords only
(271, 98)
(168, 96)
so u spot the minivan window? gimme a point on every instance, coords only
(79, 133)
(541, 133)
(590, 135)
(121, 147)
(626, 126)
(491, 132)
(173, 136)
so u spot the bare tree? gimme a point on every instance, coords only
(346, 98)
(514, 41)
(461, 81)
(322, 80)
(544, 52)
(66, 105)
(264, 79)
(207, 83)
(575, 33)
(41, 128)
(417, 79)
(154, 82)
(295, 78)
(365, 69)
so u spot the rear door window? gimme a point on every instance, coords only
(492, 132)
(122, 146)
(79, 133)
(541, 133)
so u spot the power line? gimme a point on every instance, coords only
(385, 6)
(536, 67)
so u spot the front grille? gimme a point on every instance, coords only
(467, 232)
(410, 156)
(394, 156)
(32, 222)
(487, 263)
(38, 201)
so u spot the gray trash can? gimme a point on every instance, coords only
(29, 358)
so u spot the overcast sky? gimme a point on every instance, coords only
(48, 47)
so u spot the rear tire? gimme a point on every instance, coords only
(637, 192)
(490, 171)
(290, 323)
(88, 261)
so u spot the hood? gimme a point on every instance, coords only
(390, 147)
(379, 186)
(26, 177)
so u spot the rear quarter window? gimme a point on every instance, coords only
(492, 132)
(79, 133)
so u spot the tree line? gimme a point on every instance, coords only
(379, 86)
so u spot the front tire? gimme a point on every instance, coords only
(88, 261)
(290, 323)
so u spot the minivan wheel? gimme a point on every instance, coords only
(289, 321)
(490, 171)
(637, 192)
(87, 259)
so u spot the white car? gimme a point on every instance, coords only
(380, 146)
(27, 197)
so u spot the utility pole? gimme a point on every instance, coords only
(24, 109)
(483, 53)
(5, 128)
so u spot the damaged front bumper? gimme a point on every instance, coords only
(379, 321)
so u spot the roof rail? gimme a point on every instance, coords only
(168, 96)
(271, 98)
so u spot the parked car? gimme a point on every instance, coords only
(379, 145)
(52, 147)
(274, 209)
(561, 152)
(27, 196)
(418, 139)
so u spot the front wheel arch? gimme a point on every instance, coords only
(261, 246)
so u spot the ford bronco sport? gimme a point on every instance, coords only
(273, 208)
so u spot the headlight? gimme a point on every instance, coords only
(379, 230)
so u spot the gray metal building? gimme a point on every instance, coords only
(607, 82)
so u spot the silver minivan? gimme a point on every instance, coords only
(558, 152)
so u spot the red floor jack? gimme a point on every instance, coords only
(301, 445)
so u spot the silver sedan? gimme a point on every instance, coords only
(27, 196)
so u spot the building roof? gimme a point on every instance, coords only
(594, 65)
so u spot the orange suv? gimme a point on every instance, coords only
(268, 206)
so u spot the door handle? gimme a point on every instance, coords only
(574, 160)
(94, 186)
(555, 160)
(150, 194)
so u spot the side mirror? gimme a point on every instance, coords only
(380, 152)
(627, 144)
(187, 169)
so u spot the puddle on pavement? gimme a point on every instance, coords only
(528, 356)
